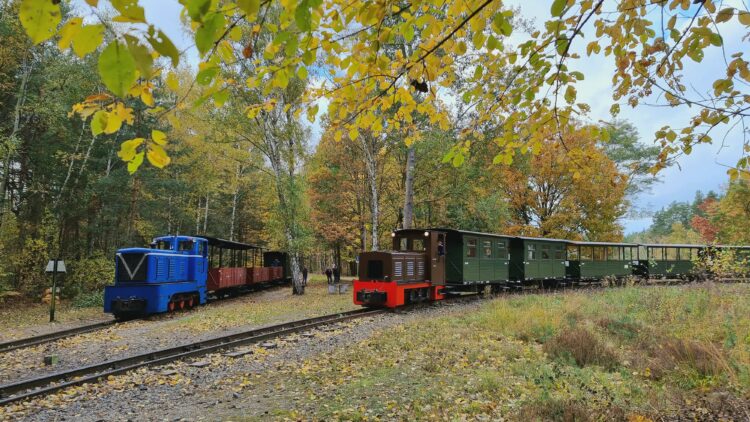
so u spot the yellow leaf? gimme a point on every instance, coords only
(147, 97)
(39, 18)
(172, 82)
(128, 148)
(157, 156)
(99, 122)
(744, 18)
(114, 122)
(68, 31)
(88, 39)
(159, 137)
(124, 113)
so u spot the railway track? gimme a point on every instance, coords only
(26, 389)
(58, 335)
(45, 338)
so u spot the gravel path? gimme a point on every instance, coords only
(211, 387)
(141, 336)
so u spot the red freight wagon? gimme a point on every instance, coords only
(222, 278)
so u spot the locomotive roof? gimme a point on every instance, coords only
(229, 244)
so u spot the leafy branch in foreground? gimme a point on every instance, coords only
(519, 89)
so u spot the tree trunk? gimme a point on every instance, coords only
(372, 181)
(205, 217)
(234, 201)
(411, 159)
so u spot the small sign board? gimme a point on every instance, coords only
(51, 266)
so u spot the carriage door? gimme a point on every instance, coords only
(201, 264)
(437, 256)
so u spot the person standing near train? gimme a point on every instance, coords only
(304, 276)
(328, 275)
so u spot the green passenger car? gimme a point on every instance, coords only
(476, 258)
(670, 260)
(537, 260)
(590, 261)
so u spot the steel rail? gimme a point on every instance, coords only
(57, 335)
(26, 389)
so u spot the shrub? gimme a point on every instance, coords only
(581, 346)
(87, 276)
(555, 410)
(89, 300)
(705, 358)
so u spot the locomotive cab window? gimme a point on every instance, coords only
(471, 248)
(185, 245)
(418, 245)
(164, 245)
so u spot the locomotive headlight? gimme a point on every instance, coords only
(393, 234)
(426, 234)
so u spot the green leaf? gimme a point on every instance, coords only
(88, 39)
(501, 25)
(558, 6)
(478, 72)
(117, 68)
(207, 75)
(458, 159)
(129, 10)
(302, 73)
(197, 8)
(99, 122)
(715, 39)
(409, 32)
(39, 18)
(570, 94)
(303, 17)
(208, 32)
(135, 162)
(220, 97)
(143, 59)
(250, 7)
(163, 45)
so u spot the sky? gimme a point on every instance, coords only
(704, 169)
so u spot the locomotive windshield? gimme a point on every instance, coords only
(405, 244)
(164, 245)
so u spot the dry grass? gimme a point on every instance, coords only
(583, 347)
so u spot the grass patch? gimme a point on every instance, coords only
(572, 356)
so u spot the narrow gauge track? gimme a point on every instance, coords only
(58, 335)
(26, 389)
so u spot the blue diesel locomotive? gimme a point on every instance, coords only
(179, 272)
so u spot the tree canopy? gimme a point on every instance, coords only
(383, 63)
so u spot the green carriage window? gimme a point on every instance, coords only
(684, 254)
(532, 252)
(471, 248)
(487, 246)
(572, 253)
(545, 252)
(671, 254)
(586, 253)
(599, 252)
(502, 250)
(627, 253)
(656, 254)
(558, 252)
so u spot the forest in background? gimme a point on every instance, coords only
(67, 193)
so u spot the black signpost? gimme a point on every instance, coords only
(54, 266)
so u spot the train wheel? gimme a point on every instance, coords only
(182, 304)
(190, 303)
(170, 306)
